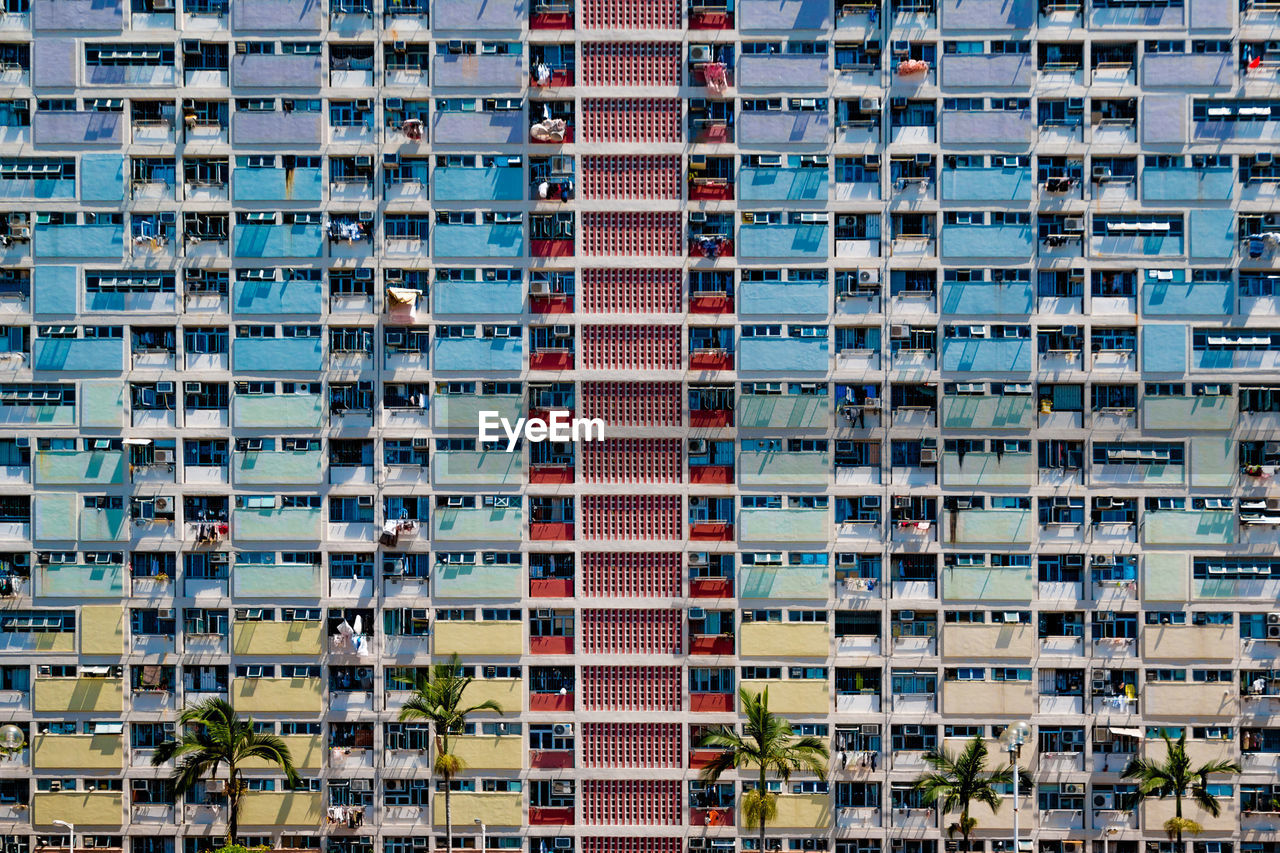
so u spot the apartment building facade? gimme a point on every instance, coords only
(936, 341)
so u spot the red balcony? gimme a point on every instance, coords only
(710, 19)
(699, 758)
(711, 644)
(706, 189)
(710, 703)
(710, 304)
(710, 359)
(710, 417)
(551, 531)
(551, 360)
(550, 701)
(551, 588)
(713, 133)
(554, 303)
(714, 75)
(559, 77)
(541, 816)
(551, 645)
(711, 588)
(551, 759)
(710, 474)
(552, 474)
(711, 817)
(710, 247)
(711, 531)
(551, 248)
(551, 20)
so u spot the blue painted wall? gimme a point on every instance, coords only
(783, 354)
(783, 241)
(1164, 348)
(277, 297)
(98, 355)
(479, 241)
(780, 297)
(102, 177)
(501, 297)
(496, 184)
(999, 355)
(277, 184)
(505, 354)
(278, 241)
(985, 297)
(276, 354)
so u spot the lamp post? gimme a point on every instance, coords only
(480, 824)
(1011, 740)
(71, 828)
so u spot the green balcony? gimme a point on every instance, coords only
(783, 525)
(462, 411)
(1197, 527)
(783, 468)
(964, 583)
(65, 581)
(268, 525)
(1189, 413)
(289, 467)
(477, 524)
(79, 468)
(276, 581)
(469, 467)
(277, 410)
(989, 526)
(988, 469)
(790, 411)
(964, 412)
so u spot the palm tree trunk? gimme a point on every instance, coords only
(448, 817)
(764, 792)
(1177, 812)
(233, 807)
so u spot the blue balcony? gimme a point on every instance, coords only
(479, 241)
(1177, 297)
(77, 128)
(987, 184)
(277, 128)
(277, 184)
(1014, 242)
(775, 127)
(490, 297)
(478, 14)
(797, 242)
(276, 71)
(75, 582)
(985, 297)
(490, 354)
(997, 15)
(783, 70)
(89, 355)
(779, 355)
(1001, 71)
(768, 184)
(271, 355)
(784, 15)
(30, 189)
(102, 177)
(279, 241)
(983, 355)
(1151, 244)
(277, 297)
(1187, 184)
(1188, 71)
(491, 184)
(268, 411)
(1005, 127)
(54, 242)
(467, 128)
(1213, 233)
(277, 16)
(81, 15)
(770, 298)
(504, 73)
(1134, 17)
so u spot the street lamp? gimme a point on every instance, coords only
(480, 824)
(1011, 740)
(71, 828)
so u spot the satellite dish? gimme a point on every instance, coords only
(11, 737)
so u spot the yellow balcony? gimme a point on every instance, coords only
(490, 752)
(1002, 819)
(1198, 751)
(78, 752)
(102, 630)
(276, 695)
(1189, 642)
(803, 811)
(278, 638)
(785, 639)
(479, 638)
(491, 809)
(507, 692)
(793, 697)
(998, 698)
(974, 642)
(282, 808)
(98, 808)
(51, 695)
(1191, 700)
(307, 752)
(1156, 812)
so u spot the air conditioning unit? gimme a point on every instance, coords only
(901, 502)
(696, 613)
(165, 613)
(361, 784)
(871, 161)
(219, 558)
(562, 331)
(1101, 173)
(911, 730)
(901, 48)
(1273, 632)
(869, 276)
(899, 330)
(1073, 788)
(562, 730)
(215, 786)
(869, 105)
(1273, 618)
(539, 288)
(924, 159)
(1104, 800)
(561, 786)
(421, 443)
(697, 216)
(164, 457)
(395, 103)
(928, 456)
(1073, 225)
(364, 500)
(364, 162)
(700, 53)
(562, 842)
(1262, 158)
(870, 728)
(192, 275)
(870, 501)
(906, 616)
(748, 219)
(1070, 331)
(697, 445)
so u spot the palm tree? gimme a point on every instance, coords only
(213, 734)
(957, 782)
(768, 744)
(1174, 777)
(439, 701)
